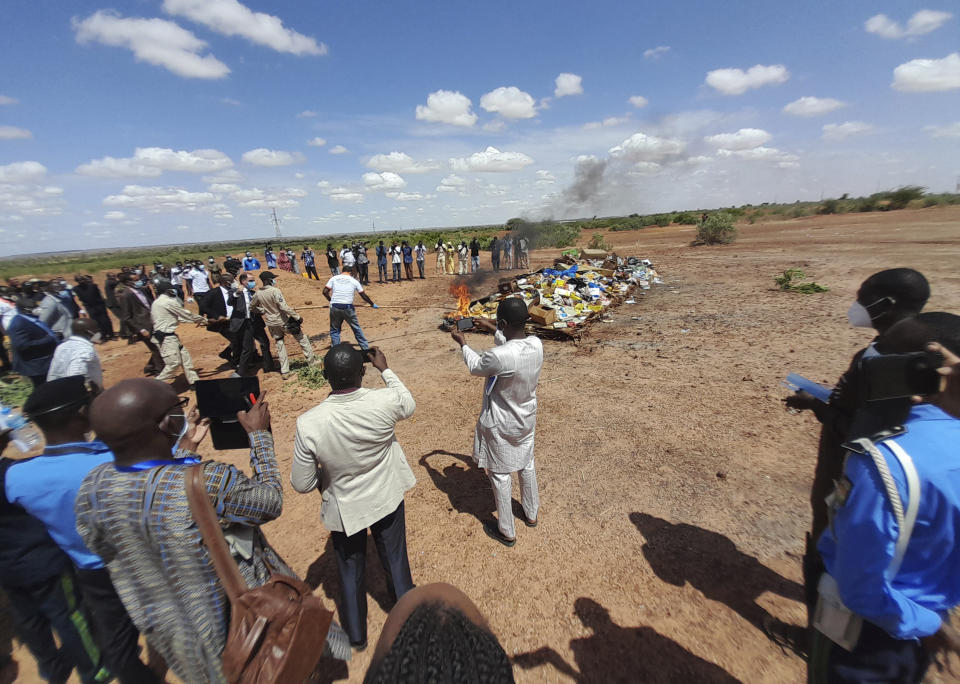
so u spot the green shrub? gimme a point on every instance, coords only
(798, 212)
(597, 242)
(662, 220)
(687, 218)
(718, 229)
(14, 390)
(791, 281)
(829, 206)
(901, 197)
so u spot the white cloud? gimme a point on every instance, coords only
(738, 81)
(760, 154)
(230, 101)
(452, 183)
(606, 123)
(845, 130)
(149, 162)
(744, 139)
(446, 106)
(495, 126)
(928, 75)
(643, 147)
(231, 18)
(114, 216)
(951, 130)
(510, 103)
(399, 162)
(223, 187)
(408, 196)
(317, 142)
(307, 114)
(264, 157)
(813, 106)
(156, 199)
(638, 101)
(920, 23)
(6, 100)
(14, 133)
(492, 160)
(226, 176)
(383, 181)
(657, 52)
(20, 172)
(342, 194)
(568, 84)
(338, 149)
(155, 41)
(545, 178)
(255, 198)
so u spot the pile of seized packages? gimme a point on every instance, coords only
(566, 299)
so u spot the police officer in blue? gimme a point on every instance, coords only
(892, 549)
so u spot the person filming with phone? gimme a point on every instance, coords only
(347, 448)
(892, 546)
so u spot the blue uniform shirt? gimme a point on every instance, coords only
(251, 264)
(46, 487)
(859, 545)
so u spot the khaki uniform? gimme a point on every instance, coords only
(166, 313)
(269, 302)
(463, 257)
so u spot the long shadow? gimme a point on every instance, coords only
(323, 573)
(679, 553)
(624, 654)
(465, 485)
(8, 667)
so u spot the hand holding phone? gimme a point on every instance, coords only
(893, 376)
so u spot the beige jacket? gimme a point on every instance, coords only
(269, 301)
(167, 312)
(347, 448)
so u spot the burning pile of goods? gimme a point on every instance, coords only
(564, 300)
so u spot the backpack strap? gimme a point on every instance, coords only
(905, 518)
(206, 519)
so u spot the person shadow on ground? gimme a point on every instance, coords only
(679, 553)
(467, 488)
(624, 654)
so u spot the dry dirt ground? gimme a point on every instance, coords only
(673, 483)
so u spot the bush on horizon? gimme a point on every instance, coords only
(718, 229)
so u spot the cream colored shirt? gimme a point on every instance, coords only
(167, 312)
(269, 301)
(347, 447)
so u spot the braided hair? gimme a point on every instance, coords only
(439, 645)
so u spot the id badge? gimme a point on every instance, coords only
(833, 619)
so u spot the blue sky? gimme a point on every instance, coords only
(158, 121)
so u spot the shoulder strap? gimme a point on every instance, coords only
(206, 518)
(913, 504)
(905, 519)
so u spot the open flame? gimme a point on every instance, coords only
(462, 293)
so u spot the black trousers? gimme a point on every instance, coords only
(102, 318)
(113, 629)
(390, 536)
(243, 349)
(55, 604)
(877, 657)
(364, 273)
(312, 272)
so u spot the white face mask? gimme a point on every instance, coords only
(96, 338)
(858, 316)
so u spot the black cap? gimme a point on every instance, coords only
(267, 275)
(57, 394)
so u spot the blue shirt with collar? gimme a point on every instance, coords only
(46, 487)
(858, 547)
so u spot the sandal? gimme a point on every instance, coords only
(494, 533)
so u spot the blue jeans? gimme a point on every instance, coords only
(349, 314)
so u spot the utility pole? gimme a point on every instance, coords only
(276, 224)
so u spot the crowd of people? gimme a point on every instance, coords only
(96, 537)
(97, 547)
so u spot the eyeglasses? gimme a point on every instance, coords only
(180, 403)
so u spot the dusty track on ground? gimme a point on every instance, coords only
(673, 484)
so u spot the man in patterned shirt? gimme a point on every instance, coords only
(134, 513)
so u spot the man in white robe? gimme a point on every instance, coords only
(504, 438)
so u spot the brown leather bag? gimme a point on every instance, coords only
(277, 631)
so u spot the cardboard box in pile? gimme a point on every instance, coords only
(587, 253)
(542, 315)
